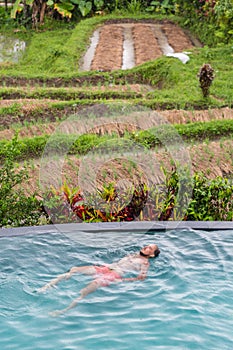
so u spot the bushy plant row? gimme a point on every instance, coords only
(189, 132)
(211, 200)
(165, 134)
(63, 94)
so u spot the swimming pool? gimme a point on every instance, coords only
(185, 303)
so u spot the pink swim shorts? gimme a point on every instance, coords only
(104, 275)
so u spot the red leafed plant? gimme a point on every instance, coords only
(66, 205)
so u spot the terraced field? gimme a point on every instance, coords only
(39, 108)
(39, 117)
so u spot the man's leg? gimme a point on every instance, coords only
(90, 288)
(87, 270)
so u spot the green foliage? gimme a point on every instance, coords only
(188, 132)
(211, 19)
(165, 134)
(212, 199)
(69, 205)
(163, 7)
(224, 16)
(65, 94)
(134, 6)
(66, 8)
(14, 109)
(161, 72)
(16, 8)
(16, 209)
(4, 15)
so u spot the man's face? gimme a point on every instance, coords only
(151, 250)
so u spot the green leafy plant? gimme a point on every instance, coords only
(212, 199)
(134, 6)
(33, 147)
(164, 7)
(69, 205)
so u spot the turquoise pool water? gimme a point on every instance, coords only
(185, 303)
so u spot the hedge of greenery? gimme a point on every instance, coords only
(62, 94)
(211, 19)
(166, 134)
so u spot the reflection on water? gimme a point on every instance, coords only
(11, 49)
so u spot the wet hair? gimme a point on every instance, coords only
(157, 252)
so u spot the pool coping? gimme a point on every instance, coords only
(135, 226)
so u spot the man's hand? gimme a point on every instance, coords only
(138, 278)
(141, 277)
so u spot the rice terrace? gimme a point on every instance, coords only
(116, 112)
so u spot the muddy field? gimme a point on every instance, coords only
(124, 45)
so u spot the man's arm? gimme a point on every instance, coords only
(142, 275)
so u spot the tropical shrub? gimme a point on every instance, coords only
(212, 200)
(213, 19)
(223, 11)
(162, 6)
(70, 205)
(210, 18)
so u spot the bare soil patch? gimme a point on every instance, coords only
(176, 37)
(185, 116)
(108, 55)
(146, 45)
(146, 41)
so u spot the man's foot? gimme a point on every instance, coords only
(44, 288)
(56, 313)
